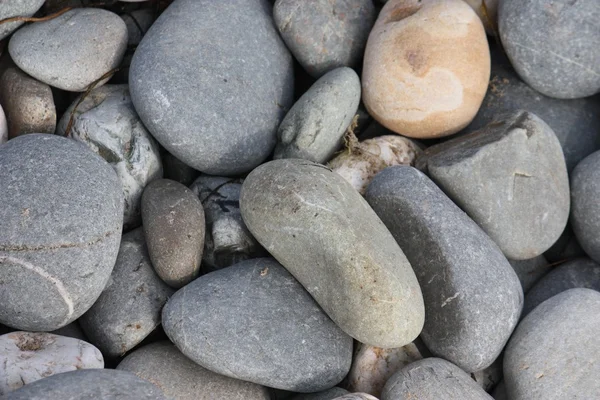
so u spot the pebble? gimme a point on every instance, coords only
(218, 116)
(565, 248)
(511, 178)
(73, 330)
(180, 378)
(22, 8)
(356, 396)
(73, 50)
(553, 46)
(253, 321)
(322, 231)
(530, 271)
(488, 377)
(554, 351)
(138, 22)
(414, 80)
(55, 259)
(314, 127)
(175, 170)
(325, 34)
(585, 209)
(499, 392)
(328, 394)
(26, 357)
(487, 11)
(106, 122)
(174, 229)
(3, 126)
(128, 309)
(473, 297)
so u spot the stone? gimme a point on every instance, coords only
(314, 127)
(73, 330)
(253, 321)
(473, 297)
(129, 308)
(176, 170)
(432, 378)
(499, 392)
(328, 394)
(174, 229)
(414, 78)
(3, 127)
(585, 210)
(553, 46)
(180, 378)
(22, 8)
(487, 11)
(219, 117)
(511, 178)
(530, 271)
(99, 384)
(356, 396)
(323, 34)
(60, 227)
(322, 231)
(106, 122)
(488, 377)
(565, 248)
(138, 22)
(26, 357)
(552, 353)
(578, 273)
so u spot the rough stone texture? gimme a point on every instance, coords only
(26, 357)
(107, 123)
(415, 79)
(182, 379)
(98, 384)
(60, 227)
(138, 22)
(553, 46)
(255, 322)
(220, 116)
(433, 378)
(322, 230)
(579, 273)
(530, 271)
(553, 352)
(585, 209)
(73, 50)
(3, 127)
(176, 170)
(21, 8)
(328, 394)
(473, 298)
(314, 127)
(174, 229)
(325, 34)
(129, 308)
(511, 178)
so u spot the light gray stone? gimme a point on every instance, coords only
(60, 227)
(214, 104)
(21, 8)
(530, 271)
(356, 396)
(328, 394)
(585, 210)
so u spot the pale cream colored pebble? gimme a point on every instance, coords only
(3, 127)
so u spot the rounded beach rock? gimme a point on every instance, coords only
(328, 394)
(426, 67)
(585, 209)
(21, 8)
(55, 260)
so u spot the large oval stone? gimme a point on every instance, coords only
(585, 211)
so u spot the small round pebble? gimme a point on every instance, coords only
(585, 209)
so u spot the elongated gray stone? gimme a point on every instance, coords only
(21, 8)
(322, 230)
(585, 211)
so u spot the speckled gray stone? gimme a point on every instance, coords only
(60, 227)
(253, 321)
(585, 210)
(553, 45)
(530, 271)
(328, 394)
(473, 297)
(129, 308)
(554, 351)
(511, 178)
(182, 379)
(432, 378)
(314, 127)
(174, 229)
(325, 34)
(73, 50)
(98, 384)
(214, 104)
(21, 8)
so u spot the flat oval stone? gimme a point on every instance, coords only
(322, 231)
(511, 178)
(253, 321)
(585, 210)
(180, 378)
(530, 271)
(60, 227)
(218, 116)
(328, 394)
(72, 50)
(552, 353)
(174, 229)
(22, 8)
(473, 297)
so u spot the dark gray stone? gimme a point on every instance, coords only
(98, 384)
(213, 103)
(314, 128)
(180, 378)
(138, 22)
(323, 231)
(129, 308)
(174, 229)
(488, 377)
(432, 378)
(565, 248)
(325, 34)
(511, 178)
(499, 392)
(585, 210)
(72, 330)
(22, 8)
(530, 271)
(60, 227)
(176, 170)
(328, 394)
(473, 298)
(554, 351)
(255, 322)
